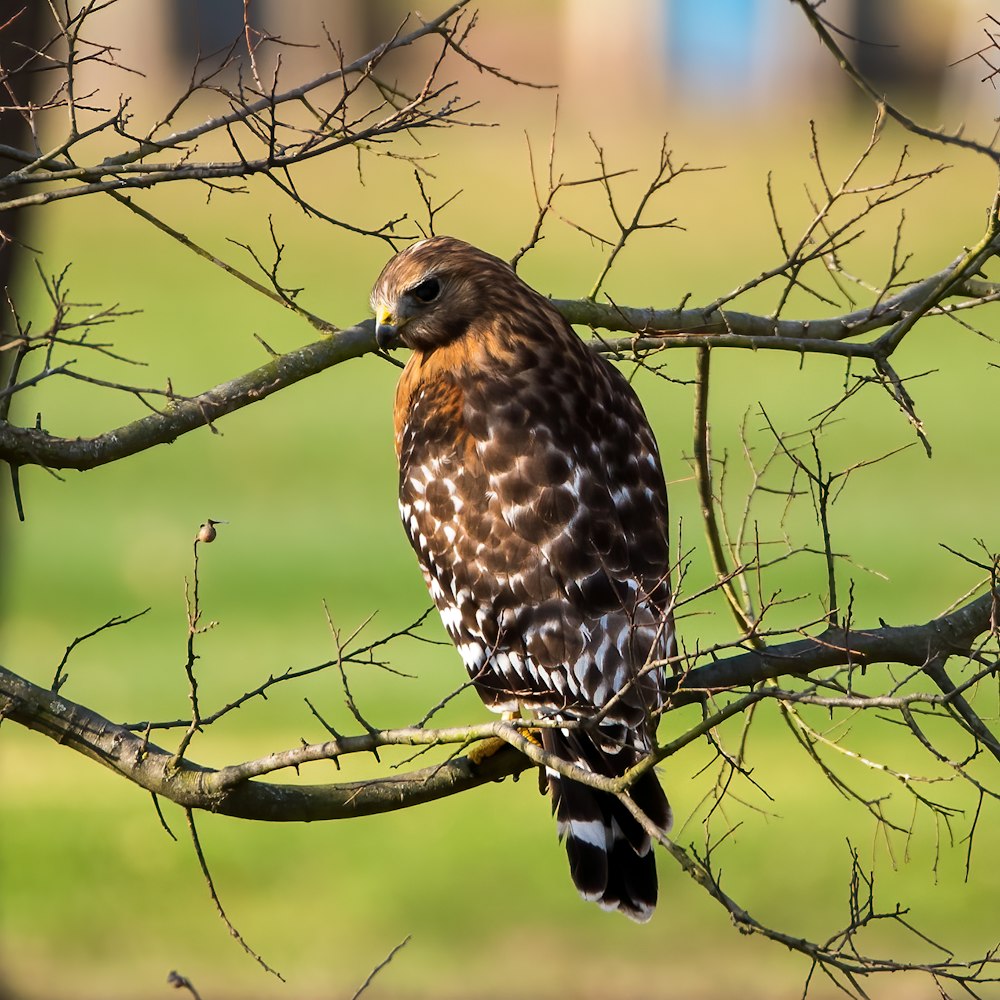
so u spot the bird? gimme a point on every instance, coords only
(532, 491)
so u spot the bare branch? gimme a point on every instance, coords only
(209, 881)
(823, 31)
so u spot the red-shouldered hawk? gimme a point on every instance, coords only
(531, 490)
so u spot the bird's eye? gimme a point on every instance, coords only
(427, 291)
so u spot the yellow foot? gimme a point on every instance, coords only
(532, 736)
(487, 748)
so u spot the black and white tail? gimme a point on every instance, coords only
(611, 856)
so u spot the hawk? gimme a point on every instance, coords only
(531, 489)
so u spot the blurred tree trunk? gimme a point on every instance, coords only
(897, 52)
(376, 22)
(22, 35)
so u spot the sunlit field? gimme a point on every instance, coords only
(97, 900)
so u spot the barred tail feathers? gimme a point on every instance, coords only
(611, 857)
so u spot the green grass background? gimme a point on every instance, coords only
(97, 901)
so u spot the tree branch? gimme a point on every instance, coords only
(951, 634)
(233, 791)
(731, 328)
(193, 786)
(820, 27)
(652, 329)
(29, 446)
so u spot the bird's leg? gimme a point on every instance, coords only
(487, 748)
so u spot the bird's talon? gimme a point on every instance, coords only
(485, 749)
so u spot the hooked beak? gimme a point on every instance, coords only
(385, 328)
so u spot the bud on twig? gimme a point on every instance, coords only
(207, 531)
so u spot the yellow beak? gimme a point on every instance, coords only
(385, 327)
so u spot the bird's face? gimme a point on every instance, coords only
(429, 294)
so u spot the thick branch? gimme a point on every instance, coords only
(915, 645)
(196, 787)
(741, 329)
(232, 791)
(25, 446)
(651, 329)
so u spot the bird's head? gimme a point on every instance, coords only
(431, 293)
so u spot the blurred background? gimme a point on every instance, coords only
(95, 899)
